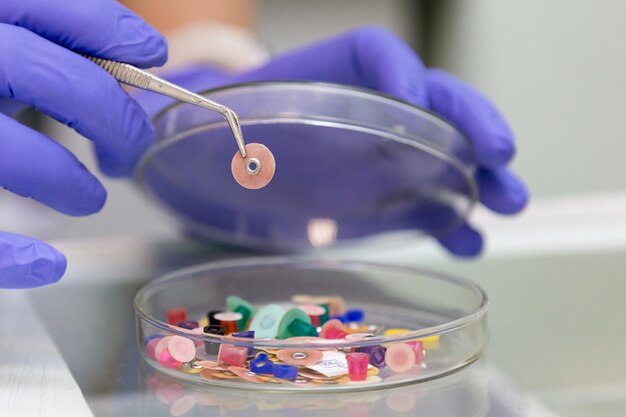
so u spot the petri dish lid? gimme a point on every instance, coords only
(352, 166)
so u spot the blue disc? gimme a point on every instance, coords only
(262, 365)
(354, 316)
(283, 371)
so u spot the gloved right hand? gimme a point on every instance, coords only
(376, 59)
(39, 68)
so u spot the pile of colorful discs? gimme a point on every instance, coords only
(245, 344)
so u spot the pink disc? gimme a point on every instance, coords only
(418, 348)
(166, 359)
(359, 336)
(183, 405)
(335, 333)
(161, 346)
(401, 403)
(168, 392)
(253, 174)
(181, 348)
(400, 357)
(151, 346)
(312, 310)
(317, 342)
(153, 381)
(212, 365)
(228, 316)
(330, 324)
(300, 357)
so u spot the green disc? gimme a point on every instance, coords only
(301, 328)
(266, 321)
(239, 305)
(287, 326)
(324, 317)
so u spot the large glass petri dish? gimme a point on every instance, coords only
(405, 308)
(353, 165)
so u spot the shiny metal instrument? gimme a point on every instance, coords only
(133, 76)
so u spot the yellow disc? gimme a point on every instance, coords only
(393, 332)
(194, 370)
(430, 342)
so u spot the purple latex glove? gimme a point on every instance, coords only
(375, 58)
(39, 69)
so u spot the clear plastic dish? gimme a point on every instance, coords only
(352, 165)
(444, 316)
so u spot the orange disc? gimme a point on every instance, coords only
(212, 365)
(244, 373)
(316, 376)
(256, 170)
(224, 375)
(207, 374)
(302, 357)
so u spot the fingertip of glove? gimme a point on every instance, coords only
(156, 51)
(464, 243)
(138, 43)
(100, 196)
(517, 200)
(501, 152)
(502, 191)
(435, 76)
(29, 263)
(57, 267)
(114, 170)
(48, 268)
(87, 194)
(414, 91)
(136, 133)
(116, 164)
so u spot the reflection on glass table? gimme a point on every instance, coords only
(463, 394)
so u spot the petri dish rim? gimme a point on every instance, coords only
(359, 90)
(403, 139)
(290, 261)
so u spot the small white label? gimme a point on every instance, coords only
(332, 364)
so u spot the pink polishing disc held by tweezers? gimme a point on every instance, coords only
(256, 170)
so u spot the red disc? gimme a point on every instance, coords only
(256, 170)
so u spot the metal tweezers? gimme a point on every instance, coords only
(130, 75)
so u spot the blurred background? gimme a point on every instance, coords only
(555, 274)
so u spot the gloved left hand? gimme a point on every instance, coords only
(375, 58)
(39, 68)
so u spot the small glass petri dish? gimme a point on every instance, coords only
(353, 166)
(438, 319)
